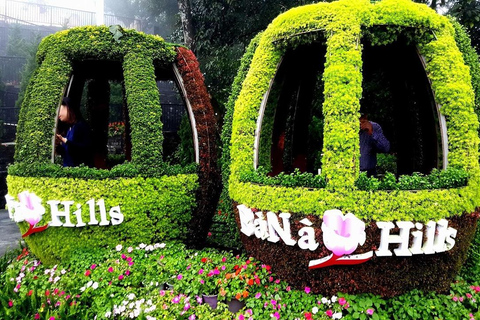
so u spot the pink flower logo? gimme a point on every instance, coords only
(342, 233)
(29, 209)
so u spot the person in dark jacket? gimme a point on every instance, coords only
(75, 145)
(372, 141)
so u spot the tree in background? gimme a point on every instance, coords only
(467, 13)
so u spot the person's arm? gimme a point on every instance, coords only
(381, 142)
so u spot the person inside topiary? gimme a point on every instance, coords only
(372, 141)
(74, 142)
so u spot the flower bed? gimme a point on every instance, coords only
(126, 282)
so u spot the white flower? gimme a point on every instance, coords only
(21, 275)
(162, 245)
(334, 298)
(82, 289)
(56, 279)
(314, 310)
(337, 315)
(63, 271)
(131, 296)
(149, 302)
(54, 267)
(131, 305)
(142, 245)
(324, 300)
(12, 279)
(95, 285)
(89, 283)
(130, 249)
(108, 314)
(118, 247)
(136, 312)
(47, 271)
(149, 248)
(15, 289)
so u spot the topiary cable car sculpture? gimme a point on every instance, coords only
(302, 205)
(155, 175)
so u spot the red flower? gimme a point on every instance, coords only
(47, 292)
(10, 303)
(308, 316)
(250, 282)
(87, 273)
(30, 293)
(204, 260)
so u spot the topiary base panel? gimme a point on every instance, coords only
(385, 276)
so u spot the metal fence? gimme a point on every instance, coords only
(14, 11)
(10, 69)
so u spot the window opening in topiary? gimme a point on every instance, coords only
(178, 146)
(292, 126)
(397, 95)
(96, 87)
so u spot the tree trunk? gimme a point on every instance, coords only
(187, 23)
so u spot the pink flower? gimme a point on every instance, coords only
(37, 316)
(461, 299)
(342, 233)
(162, 292)
(468, 295)
(369, 312)
(129, 259)
(176, 299)
(276, 315)
(120, 277)
(130, 263)
(87, 273)
(93, 266)
(192, 317)
(31, 209)
(52, 318)
(10, 303)
(127, 272)
(124, 256)
(110, 269)
(179, 277)
(224, 259)
(342, 301)
(307, 290)
(329, 312)
(200, 271)
(209, 234)
(455, 299)
(288, 288)
(201, 281)
(258, 295)
(241, 317)
(216, 271)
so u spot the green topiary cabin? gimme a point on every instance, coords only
(295, 147)
(154, 147)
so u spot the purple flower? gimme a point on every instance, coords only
(199, 300)
(307, 290)
(176, 299)
(200, 271)
(179, 277)
(369, 312)
(276, 315)
(187, 306)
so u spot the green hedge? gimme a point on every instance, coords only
(154, 209)
(343, 24)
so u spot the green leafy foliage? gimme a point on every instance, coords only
(295, 179)
(150, 206)
(344, 24)
(438, 179)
